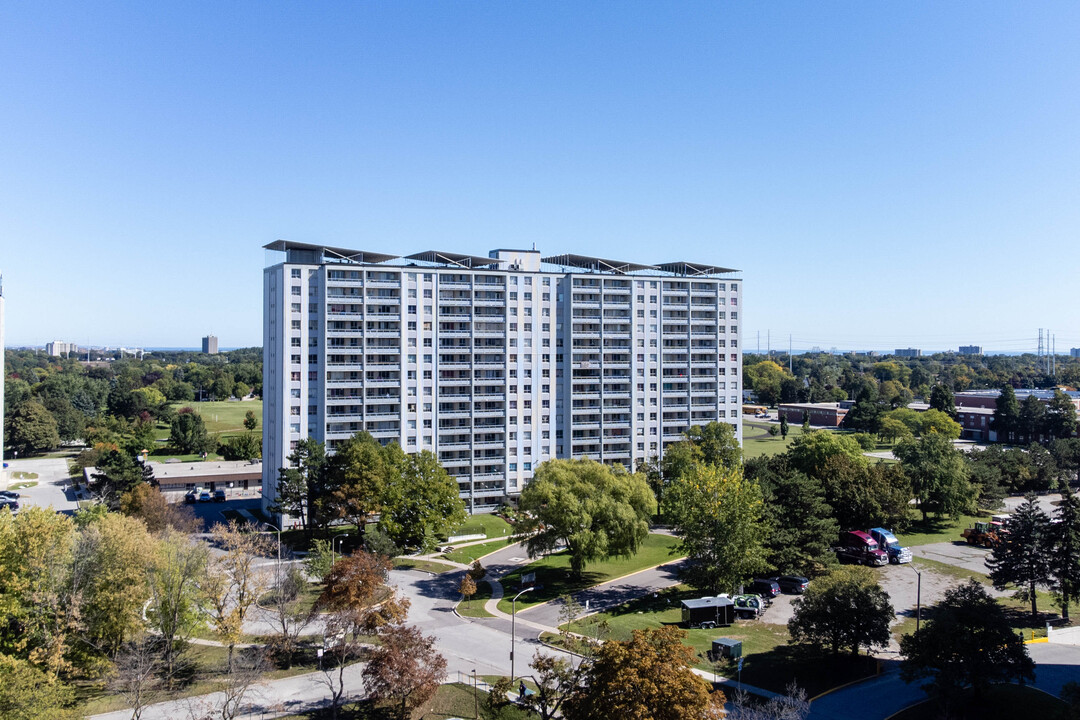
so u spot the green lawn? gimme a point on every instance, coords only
(490, 525)
(474, 606)
(1001, 702)
(757, 441)
(935, 530)
(553, 571)
(23, 475)
(769, 662)
(424, 565)
(225, 417)
(474, 552)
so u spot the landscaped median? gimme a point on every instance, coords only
(769, 661)
(554, 578)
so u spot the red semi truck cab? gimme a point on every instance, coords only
(858, 547)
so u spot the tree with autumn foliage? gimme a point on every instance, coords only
(404, 669)
(234, 580)
(648, 677)
(355, 603)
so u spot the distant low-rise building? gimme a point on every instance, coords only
(209, 345)
(175, 479)
(908, 352)
(820, 414)
(971, 350)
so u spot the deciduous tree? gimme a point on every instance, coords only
(939, 475)
(555, 678)
(594, 510)
(720, 517)
(421, 503)
(645, 678)
(844, 609)
(176, 605)
(31, 429)
(358, 474)
(233, 580)
(405, 668)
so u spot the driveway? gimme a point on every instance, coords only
(957, 553)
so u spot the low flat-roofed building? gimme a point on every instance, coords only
(821, 414)
(175, 479)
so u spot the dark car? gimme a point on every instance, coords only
(10, 505)
(764, 587)
(190, 497)
(8, 495)
(794, 584)
(219, 496)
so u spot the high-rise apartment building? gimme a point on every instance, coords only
(209, 345)
(57, 348)
(495, 364)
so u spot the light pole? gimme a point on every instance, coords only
(277, 568)
(918, 599)
(334, 545)
(476, 697)
(513, 629)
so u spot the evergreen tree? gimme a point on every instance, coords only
(941, 398)
(1032, 419)
(800, 522)
(1024, 555)
(1065, 560)
(1060, 420)
(1006, 415)
(967, 642)
(783, 426)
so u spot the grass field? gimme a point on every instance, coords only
(490, 525)
(224, 416)
(1001, 702)
(757, 442)
(474, 552)
(553, 571)
(769, 662)
(935, 530)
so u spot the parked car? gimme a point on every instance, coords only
(10, 504)
(748, 607)
(219, 496)
(190, 497)
(765, 587)
(793, 584)
(204, 496)
(9, 495)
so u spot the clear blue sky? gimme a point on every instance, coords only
(884, 174)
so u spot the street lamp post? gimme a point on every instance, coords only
(918, 599)
(513, 629)
(333, 545)
(277, 568)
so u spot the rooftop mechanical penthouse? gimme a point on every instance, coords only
(494, 364)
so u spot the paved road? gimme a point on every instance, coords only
(610, 594)
(53, 487)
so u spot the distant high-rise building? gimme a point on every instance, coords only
(61, 349)
(971, 350)
(495, 364)
(908, 352)
(1075, 352)
(209, 344)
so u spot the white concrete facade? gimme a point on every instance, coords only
(494, 366)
